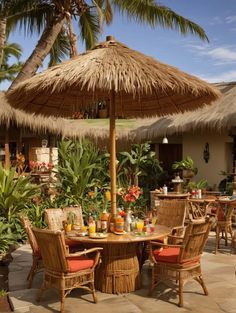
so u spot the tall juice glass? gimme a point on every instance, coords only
(139, 226)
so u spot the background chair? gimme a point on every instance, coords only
(224, 214)
(54, 218)
(172, 213)
(180, 262)
(77, 210)
(64, 271)
(36, 255)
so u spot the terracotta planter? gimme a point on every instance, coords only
(103, 113)
(188, 174)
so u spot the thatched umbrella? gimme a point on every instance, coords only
(133, 84)
(219, 117)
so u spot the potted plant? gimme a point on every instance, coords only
(187, 167)
(102, 109)
(71, 216)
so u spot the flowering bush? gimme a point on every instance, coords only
(129, 195)
(40, 166)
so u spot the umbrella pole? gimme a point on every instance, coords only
(113, 153)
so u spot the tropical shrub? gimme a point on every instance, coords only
(7, 238)
(78, 169)
(185, 164)
(15, 193)
(137, 163)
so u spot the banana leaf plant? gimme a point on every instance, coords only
(15, 192)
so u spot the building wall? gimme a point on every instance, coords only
(220, 148)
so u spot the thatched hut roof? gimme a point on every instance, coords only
(60, 126)
(142, 85)
(219, 117)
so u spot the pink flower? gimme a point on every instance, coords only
(129, 195)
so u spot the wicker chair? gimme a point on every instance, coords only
(55, 217)
(62, 270)
(172, 213)
(37, 264)
(180, 262)
(224, 221)
(78, 214)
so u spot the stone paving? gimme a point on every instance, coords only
(218, 271)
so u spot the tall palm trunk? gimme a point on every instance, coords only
(42, 49)
(3, 23)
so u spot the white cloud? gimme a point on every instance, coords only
(230, 19)
(222, 55)
(222, 77)
(216, 21)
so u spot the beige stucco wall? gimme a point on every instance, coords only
(220, 148)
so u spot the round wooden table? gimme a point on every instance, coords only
(119, 270)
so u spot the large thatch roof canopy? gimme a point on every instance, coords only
(142, 85)
(219, 117)
(61, 126)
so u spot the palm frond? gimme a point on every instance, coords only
(60, 49)
(155, 14)
(31, 16)
(89, 27)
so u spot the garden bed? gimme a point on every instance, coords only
(4, 303)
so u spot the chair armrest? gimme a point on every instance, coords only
(86, 251)
(154, 243)
(92, 250)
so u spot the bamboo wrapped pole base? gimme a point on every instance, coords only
(119, 270)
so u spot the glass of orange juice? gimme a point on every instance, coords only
(140, 225)
(92, 228)
(154, 220)
(84, 229)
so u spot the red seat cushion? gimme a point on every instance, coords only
(76, 264)
(170, 255)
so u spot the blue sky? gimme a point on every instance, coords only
(214, 61)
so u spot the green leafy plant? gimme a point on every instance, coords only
(135, 164)
(201, 184)
(15, 193)
(78, 170)
(3, 293)
(7, 238)
(71, 216)
(185, 164)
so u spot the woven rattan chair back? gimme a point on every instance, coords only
(172, 213)
(77, 210)
(53, 249)
(195, 237)
(36, 254)
(54, 218)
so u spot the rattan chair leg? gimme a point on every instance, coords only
(40, 293)
(181, 286)
(92, 287)
(31, 275)
(217, 244)
(226, 235)
(62, 296)
(200, 280)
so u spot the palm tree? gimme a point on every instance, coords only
(9, 71)
(90, 16)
